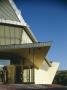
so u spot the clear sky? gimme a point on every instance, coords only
(48, 21)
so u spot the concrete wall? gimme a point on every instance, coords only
(25, 38)
(45, 74)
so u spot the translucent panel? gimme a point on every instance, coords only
(12, 41)
(2, 41)
(12, 32)
(31, 75)
(7, 32)
(20, 31)
(17, 35)
(7, 41)
(26, 75)
(17, 41)
(2, 31)
(11, 35)
(20, 34)
(26, 38)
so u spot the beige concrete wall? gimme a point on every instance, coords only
(38, 55)
(45, 74)
(25, 38)
(11, 73)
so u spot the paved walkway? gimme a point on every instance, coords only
(29, 87)
(7, 87)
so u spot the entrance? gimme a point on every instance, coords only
(19, 74)
(3, 71)
(24, 74)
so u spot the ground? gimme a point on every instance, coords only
(31, 87)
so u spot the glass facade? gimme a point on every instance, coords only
(28, 75)
(12, 69)
(4, 62)
(10, 35)
(15, 71)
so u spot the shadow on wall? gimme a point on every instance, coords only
(44, 66)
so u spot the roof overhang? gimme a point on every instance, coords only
(35, 52)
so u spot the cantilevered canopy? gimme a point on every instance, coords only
(35, 52)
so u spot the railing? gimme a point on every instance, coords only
(28, 45)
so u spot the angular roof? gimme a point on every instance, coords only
(10, 14)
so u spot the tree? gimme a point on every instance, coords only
(61, 78)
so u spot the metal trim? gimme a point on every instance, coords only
(28, 45)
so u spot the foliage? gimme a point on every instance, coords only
(61, 78)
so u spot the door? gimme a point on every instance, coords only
(18, 77)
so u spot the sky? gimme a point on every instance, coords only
(48, 21)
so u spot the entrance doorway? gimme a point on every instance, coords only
(12, 73)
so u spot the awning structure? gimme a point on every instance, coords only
(35, 52)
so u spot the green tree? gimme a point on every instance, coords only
(61, 78)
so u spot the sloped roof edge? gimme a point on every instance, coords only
(22, 21)
(18, 12)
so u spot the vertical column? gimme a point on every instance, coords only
(33, 63)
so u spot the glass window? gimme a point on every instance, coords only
(4, 62)
(28, 75)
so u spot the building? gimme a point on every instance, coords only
(19, 47)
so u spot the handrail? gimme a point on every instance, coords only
(28, 45)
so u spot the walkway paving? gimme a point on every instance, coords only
(30, 87)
